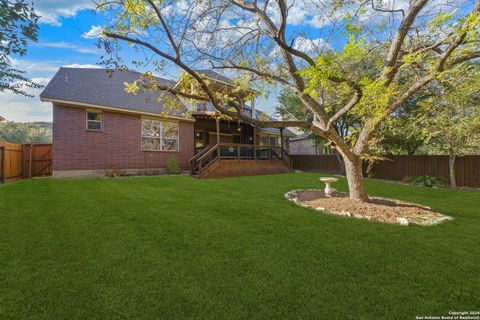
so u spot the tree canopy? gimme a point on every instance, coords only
(29, 132)
(18, 26)
(451, 116)
(364, 59)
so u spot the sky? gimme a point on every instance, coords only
(61, 43)
(67, 38)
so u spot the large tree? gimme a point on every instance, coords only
(413, 43)
(450, 118)
(18, 26)
(292, 108)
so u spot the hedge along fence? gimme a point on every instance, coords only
(467, 168)
(18, 161)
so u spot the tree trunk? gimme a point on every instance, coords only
(451, 167)
(356, 186)
(341, 164)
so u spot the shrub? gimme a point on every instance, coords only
(173, 167)
(115, 173)
(428, 181)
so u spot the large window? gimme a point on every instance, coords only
(94, 121)
(159, 135)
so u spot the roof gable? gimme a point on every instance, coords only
(102, 87)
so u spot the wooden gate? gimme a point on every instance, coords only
(37, 160)
(19, 161)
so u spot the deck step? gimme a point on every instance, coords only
(236, 168)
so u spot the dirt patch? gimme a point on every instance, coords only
(379, 209)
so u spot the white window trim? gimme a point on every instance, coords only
(100, 121)
(160, 137)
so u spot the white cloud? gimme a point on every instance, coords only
(311, 45)
(34, 66)
(51, 11)
(87, 51)
(76, 65)
(296, 15)
(67, 45)
(19, 108)
(94, 32)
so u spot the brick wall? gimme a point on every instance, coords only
(117, 146)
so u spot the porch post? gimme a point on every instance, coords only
(254, 142)
(218, 130)
(269, 148)
(281, 142)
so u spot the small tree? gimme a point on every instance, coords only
(411, 46)
(451, 117)
(173, 167)
(18, 25)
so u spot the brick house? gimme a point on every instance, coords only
(98, 127)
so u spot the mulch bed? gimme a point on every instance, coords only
(379, 209)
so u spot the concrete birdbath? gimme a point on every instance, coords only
(328, 189)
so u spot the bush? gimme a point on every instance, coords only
(173, 167)
(428, 181)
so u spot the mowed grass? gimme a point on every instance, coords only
(184, 248)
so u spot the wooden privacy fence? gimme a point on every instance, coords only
(18, 161)
(11, 161)
(467, 168)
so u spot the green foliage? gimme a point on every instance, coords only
(376, 98)
(291, 107)
(18, 26)
(441, 20)
(451, 115)
(351, 27)
(402, 133)
(30, 132)
(428, 181)
(334, 65)
(173, 166)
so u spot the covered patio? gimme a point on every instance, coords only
(220, 140)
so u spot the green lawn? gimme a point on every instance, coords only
(179, 247)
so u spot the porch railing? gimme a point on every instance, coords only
(233, 151)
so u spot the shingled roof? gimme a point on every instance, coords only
(106, 88)
(214, 76)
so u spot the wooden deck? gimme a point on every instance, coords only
(237, 168)
(233, 160)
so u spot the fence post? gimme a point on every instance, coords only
(30, 162)
(2, 164)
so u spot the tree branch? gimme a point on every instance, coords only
(255, 71)
(390, 68)
(207, 90)
(352, 103)
(165, 28)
